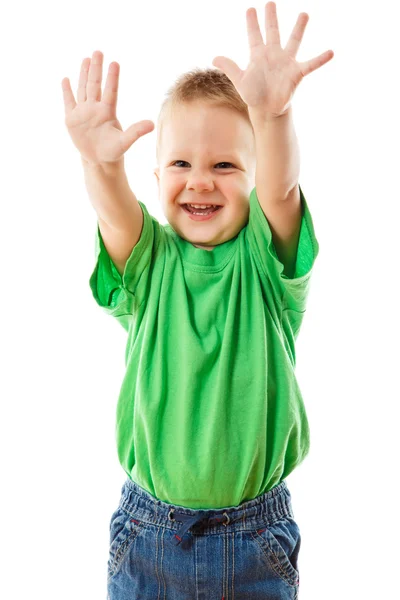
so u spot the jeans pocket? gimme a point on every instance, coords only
(280, 545)
(123, 531)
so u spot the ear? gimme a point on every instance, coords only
(157, 174)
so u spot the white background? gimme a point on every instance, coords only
(63, 358)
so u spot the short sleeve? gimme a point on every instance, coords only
(119, 295)
(290, 293)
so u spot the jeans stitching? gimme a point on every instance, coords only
(121, 551)
(233, 564)
(275, 564)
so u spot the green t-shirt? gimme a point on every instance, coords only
(209, 413)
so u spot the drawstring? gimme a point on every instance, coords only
(189, 520)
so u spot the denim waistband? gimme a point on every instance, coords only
(262, 511)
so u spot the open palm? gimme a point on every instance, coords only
(273, 74)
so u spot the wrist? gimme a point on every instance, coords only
(109, 168)
(259, 116)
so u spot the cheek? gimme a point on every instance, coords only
(232, 189)
(172, 185)
(168, 190)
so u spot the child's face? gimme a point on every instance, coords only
(204, 136)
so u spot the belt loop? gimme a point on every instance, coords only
(227, 516)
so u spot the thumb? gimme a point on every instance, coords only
(229, 67)
(134, 132)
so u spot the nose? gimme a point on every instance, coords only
(200, 183)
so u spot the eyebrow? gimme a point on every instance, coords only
(222, 155)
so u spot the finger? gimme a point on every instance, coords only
(134, 132)
(93, 86)
(229, 67)
(296, 36)
(110, 93)
(83, 75)
(271, 25)
(253, 29)
(315, 63)
(68, 96)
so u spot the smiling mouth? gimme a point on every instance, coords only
(200, 211)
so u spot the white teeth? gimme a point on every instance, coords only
(202, 205)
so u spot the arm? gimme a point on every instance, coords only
(120, 217)
(277, 173)
(267, 86)
(97, 134)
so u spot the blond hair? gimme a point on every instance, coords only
(208, 85)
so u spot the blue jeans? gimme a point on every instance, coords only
(159, 551)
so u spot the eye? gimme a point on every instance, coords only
(221, 163)
(227, 163)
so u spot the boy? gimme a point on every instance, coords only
(210, 419)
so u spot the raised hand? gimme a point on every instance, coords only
(92, 121)
(273, 74)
